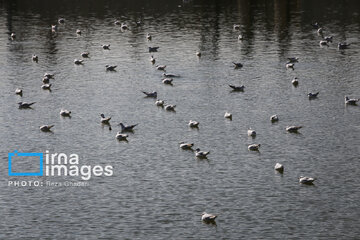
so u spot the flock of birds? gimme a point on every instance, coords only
(168, 79)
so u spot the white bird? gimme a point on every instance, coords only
(25, 104)
(198, 54)
(106, 46)
(161, 67)
(320, 30)
(148, 37)
(121, 137)
(193, 124)
(13, 35)
(279, 167)
(351, 101)
(186, 146)
(18, 91)
(274, 118)
(46, 128)
(208, 217)
(159, 103)
(78, 61)
(293, 128)
(228, 115)
(117, 22)
(104, 120)
(201, 154)
(240, 37)
(167, 81)
(251, 133)
(306, 180)
(290, 65)
(124, 26)
(110, 67)
(54, 28)
(236, 27)
(61, 20)
(46, 86)
(46, 80)
(170, 107)
(295, 81)
(152, 59)
(170, 75)
(78, 31)
(150, 94)
(254, 147)
(85, 54)
(35, 58)
(65, 113)
(49, 75)
(323, 43)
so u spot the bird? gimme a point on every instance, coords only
(153, 49)
(117, 22)
(328, 38)
(343, 45)
(148, 37)
(46, 86)
(35, 58)
(251, 133)
(25, 104)
(237, 88)
(160, 103)
(236, 27)
(85, 54)
(315, 25)
(54, 28)
(274, 118)
(186, 146)
(160, 67)
(78, 31)
(78, 61)
(151, 94)
(295, 81)
(323, 43)
(290, 65)
(19, 91)
(228, 115)
(110, 67)
(306, 180)
(170, 107)
(312, 95)
(65, 113)
(46, 80)
(13, 35)
(170, 75)
(208, 218)
(240, 37)
(201, 154)
(121, 137)
(293, 59)
(46, 128)
(127, 128)
(193, 124)
(106, 46)
(279, 167)
(124, 26)
(152, 59)
(320, 30)
(293, 129)
(198, 54)
(237, 65)
(104, 120)
(254, 147)
(351, 101)
(167, 81)
(61, 20)
(49, 75)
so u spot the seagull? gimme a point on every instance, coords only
(65, 113)
(193, 124)
(293, 128)
(274, 118)
(104, 120)
(169, 75)
(106, 46)
(290, 65)
(13, 35)
(153, 49)
(293, 59)
(148, 37)
(167, 81)
(208, 217)
(237, 65)
(295, 81)
(78, 62)
(49, 75)
(279, 167)
(315, 25)
(117, 22)
(121, 137)
(46, 86)
(306, 180)
(54, 28)
(110, 67)
(127, 128)
(312, 95)
(46, 80)
(152, 59)
(251, 133)
(198, 54)
(61, 20)
(170, 107)
(240, 37)
(237, 88)
(343, 45)
(85, 54)
(186, 146)
(78, 31)
(160, 67)
(25, 104)
(236, 27)
(124, 26)
(351, 101)
(228, 115)
(320, 31)
(201, 154)
(150, 94)
(35, 58)
(46, 128)
(323, 43)
(328, 38)
(159, 103)
(19, 91)
(254, 147)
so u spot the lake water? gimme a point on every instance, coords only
(157, 190)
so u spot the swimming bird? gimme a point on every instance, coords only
(208, 218)
(240, 37)
(45, 80)
(49, 75)
(315, 25)
(148, 37)
(121, 137)
(160, 103)
(54, 28)
(106, 46)
(170, 107)
(343, 45)
(160, 67)
(61, 20)
(104, 120)
(110, 67)
(127, 128)
(124, 26)
(186, 146)
(65, 113)
(78, 31)
(201, 154)
(237, 88)
(46, 128)
(279, 167)
(274, 118)
(306, 180)
(193, 124)
(170, 75)
(152, 59)
(251, 133)
(167, 81)
(351, 101)
(293, 129)
(25, 104)
(153, 49)
(35, 58)
(150, 94)
(198, 54)
(228, 115)
(290, 65)
(312, 95)
(46, 86)
(19, 91)
(117, 22)
(236, 27)
(323, 43)
(13, 35)
(295, 81)
(254, 147)
(78, 61)
(237, 65)
(320, 31)
(328, 38)
(85, 54)
(293, 59)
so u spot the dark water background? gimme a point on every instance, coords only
(159, 191)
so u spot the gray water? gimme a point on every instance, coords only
(159, 191)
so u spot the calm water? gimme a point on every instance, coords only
(159, 191)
